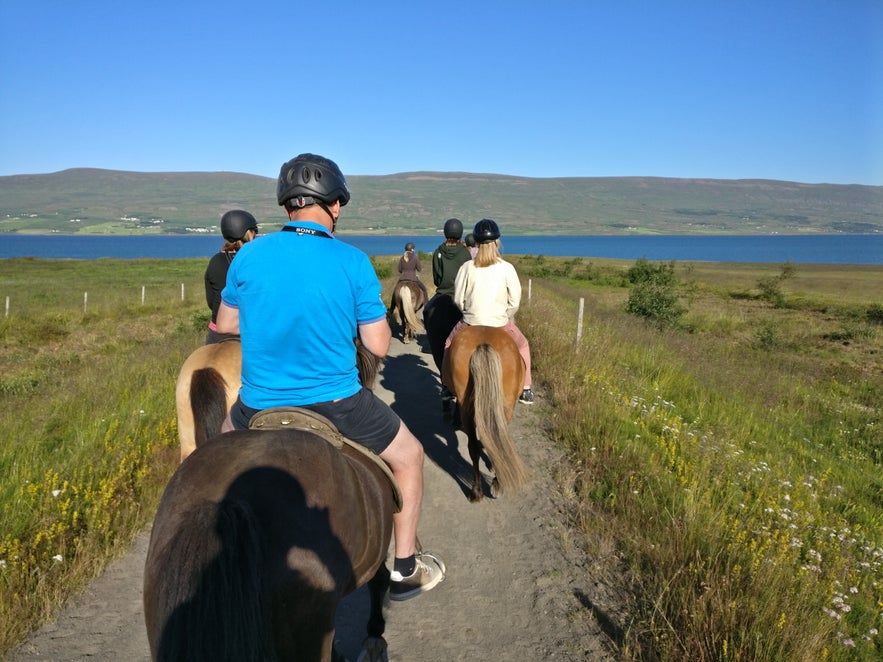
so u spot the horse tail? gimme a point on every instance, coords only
(212, 603)
(208, 401)
(408, 309)
(491, 425)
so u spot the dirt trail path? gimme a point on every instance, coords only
(513, 590)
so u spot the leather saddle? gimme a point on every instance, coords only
(296, 418)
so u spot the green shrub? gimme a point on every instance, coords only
(875, 313)
(654, 295)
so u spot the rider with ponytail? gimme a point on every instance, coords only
(488, 292)
(237, 227)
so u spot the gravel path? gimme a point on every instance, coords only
(513, 591)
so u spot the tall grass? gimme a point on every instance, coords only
(87, 422)
(731, 462)
(742, 484)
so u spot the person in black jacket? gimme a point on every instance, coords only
(237, 227)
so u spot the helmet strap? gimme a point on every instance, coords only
(328, 211)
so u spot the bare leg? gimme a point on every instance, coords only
(405, 458)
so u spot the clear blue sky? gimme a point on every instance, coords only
(730, 89)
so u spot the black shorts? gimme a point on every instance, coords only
(362, 417)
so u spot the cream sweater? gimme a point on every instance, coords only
(488, 296)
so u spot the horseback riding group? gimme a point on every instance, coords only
(309, 476)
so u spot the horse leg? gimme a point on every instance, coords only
(475, 455)
(374, 646)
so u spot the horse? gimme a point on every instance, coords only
(408, 298)
(258, 537)
(440, 316)
(485, 372)
(254, 544)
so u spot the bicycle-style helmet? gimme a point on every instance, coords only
(309, 179)
(453, 228)
(486, 230)
(235, 223)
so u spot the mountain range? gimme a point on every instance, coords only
(95, 201)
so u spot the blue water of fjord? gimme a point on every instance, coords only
(805, 249)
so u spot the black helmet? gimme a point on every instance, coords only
(409, 246)
(470, 240)
(310, 178)
(235, 223)
(486, 230)
(453, 228)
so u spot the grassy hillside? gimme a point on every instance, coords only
(113, 202)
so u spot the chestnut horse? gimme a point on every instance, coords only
(260, 533)
(485, 372)
(408, 298)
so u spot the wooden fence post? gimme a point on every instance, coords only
(579, 324)
(143, 288)
(85, 302)
(182, 291)
(7, 306)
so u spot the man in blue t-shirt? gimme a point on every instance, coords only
(298, 299)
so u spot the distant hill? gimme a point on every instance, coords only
(93, 201)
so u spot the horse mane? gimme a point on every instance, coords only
(368, 365)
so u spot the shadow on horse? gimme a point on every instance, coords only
(259, 535)
(485, 372)
(408, 298)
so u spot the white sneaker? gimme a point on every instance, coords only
(426, 576)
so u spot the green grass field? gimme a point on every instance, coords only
(727, 464)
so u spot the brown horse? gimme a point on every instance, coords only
(258, 537)
(254, 544)
(408, 298)
(485, 372)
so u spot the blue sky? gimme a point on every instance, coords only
(773, 89)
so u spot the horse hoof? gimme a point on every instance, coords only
(495, 489)
(373, 650)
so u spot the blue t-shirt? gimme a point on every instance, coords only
(301, 298)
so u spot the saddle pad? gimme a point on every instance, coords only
(296, 418)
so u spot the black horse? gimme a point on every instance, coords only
(440, 316)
